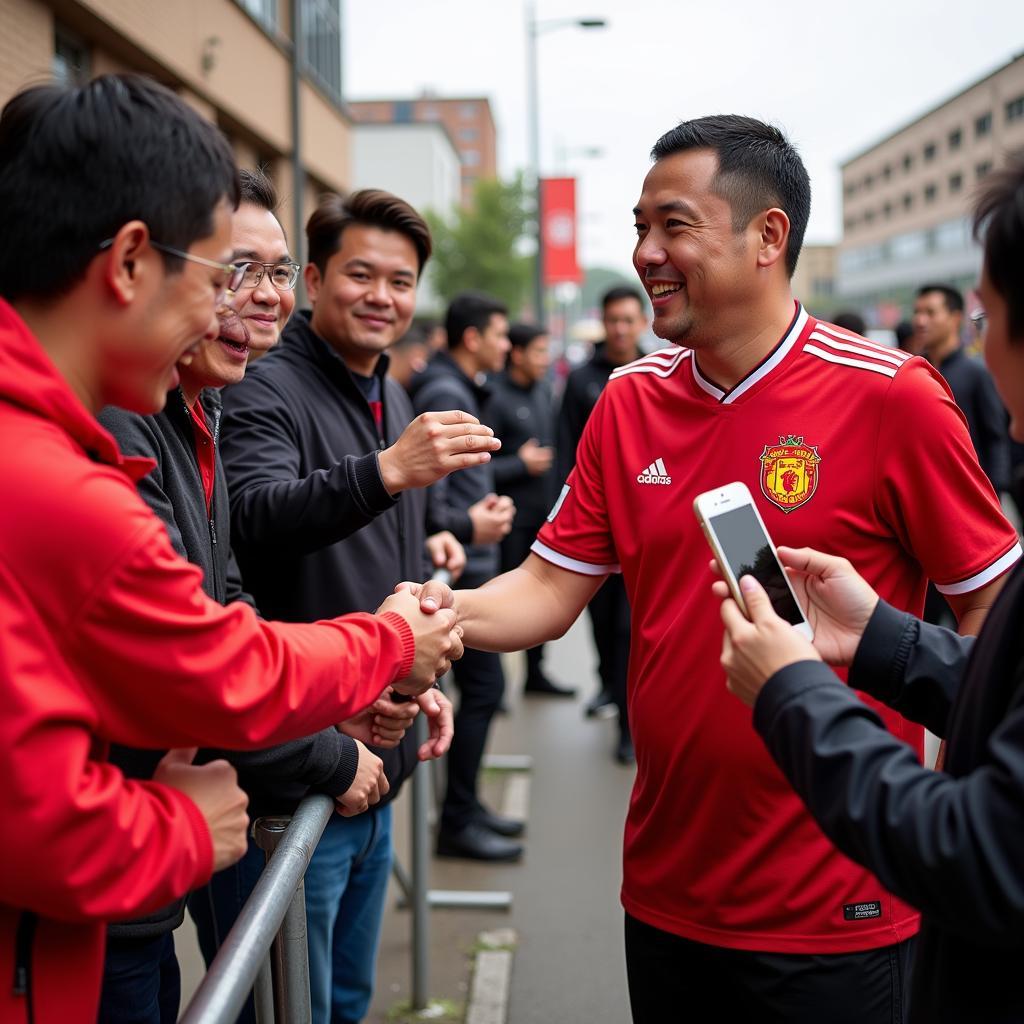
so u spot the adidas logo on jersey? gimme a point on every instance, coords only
(655, 473)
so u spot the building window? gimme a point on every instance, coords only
(887, 210)
(850, 223)
(930, 193)
(402, 112)
(71, 64)
(956, 136)
(956, 182)
(908, 201)
(467, 111)
(929, 152)
(983, 125)
(471, 157)
(468, 135)
(822, 285)
(869, 180)
(1015, 109)
(264, 11)
(851, 189)
(982, 169)
(886, 172)
(430, 113)
(321, 36)
(908, 162)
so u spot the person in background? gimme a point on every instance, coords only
(408, 357)
(520, 410)
(849, 320)
(476, 326)
(625, 320)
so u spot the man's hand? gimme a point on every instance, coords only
(754, 649)
(535, 457)
(383, 723)
(837, 601)
(213, 788)
(438, 641)
(369, 785)
(440, 718)
(434, 445)
(492, 518)
(446, 553)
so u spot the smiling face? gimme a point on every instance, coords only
(365, 299)
(699, 273)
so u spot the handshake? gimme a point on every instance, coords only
(429, 609)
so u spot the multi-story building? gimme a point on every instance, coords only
(468, 120)
(814, 282)
(907, 199)
(232, 60)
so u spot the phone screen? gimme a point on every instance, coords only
(749, 553)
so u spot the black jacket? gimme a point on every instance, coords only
(971, 383)
(583, 388)
(515, 414)
(950, 843)
(314, 529)
(174, 491)
(440, 387)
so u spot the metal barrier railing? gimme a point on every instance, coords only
(274, 915)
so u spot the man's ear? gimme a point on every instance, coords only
(774, 238)
(311, 275)
(129, 259)
(471, 339)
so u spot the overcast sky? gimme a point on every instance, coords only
(835, 79)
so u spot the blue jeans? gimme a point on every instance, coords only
(345, 887)
(141, 982)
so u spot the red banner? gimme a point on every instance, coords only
(558, 220)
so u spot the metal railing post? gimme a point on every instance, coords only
(420, 897)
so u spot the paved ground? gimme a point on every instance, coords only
(568, 966)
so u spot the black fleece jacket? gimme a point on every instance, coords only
(950, 843)
(583, 388)
(315, 531)
(174, 491)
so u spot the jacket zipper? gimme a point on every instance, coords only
(220, 592)
(23, 961)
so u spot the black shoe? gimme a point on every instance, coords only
(624, 752)
(601, 706)
(499, 825)
(543, 686)
(476, 842)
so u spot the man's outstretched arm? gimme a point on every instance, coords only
(530, 605)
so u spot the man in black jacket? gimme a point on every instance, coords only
(625, 320)
(477, 330)
(951, 843)
(326, 469)
(521, 411)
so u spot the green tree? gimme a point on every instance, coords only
(478, 247)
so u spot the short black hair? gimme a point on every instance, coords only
(372, 207)
(758, 168)
(416, 335)
(256, 187)
(953, 297)
(76, 164)
(522, 334)
(620, 292)
(470, 309)
(999, 220)
(904, 331)
(850, 320)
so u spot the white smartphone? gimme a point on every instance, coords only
(737, 535)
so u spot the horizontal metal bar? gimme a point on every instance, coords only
(465, 899)
(222, 993)
(508, 762)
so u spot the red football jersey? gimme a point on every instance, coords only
(848, 447)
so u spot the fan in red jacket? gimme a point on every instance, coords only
(115, 200)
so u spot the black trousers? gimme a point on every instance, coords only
(609, 619)
(481, 684)
(514, 549)
(672, 979)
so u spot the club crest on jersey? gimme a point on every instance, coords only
(789, 472)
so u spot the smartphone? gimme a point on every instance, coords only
(740, 542)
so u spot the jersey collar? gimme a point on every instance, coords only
(762, 370)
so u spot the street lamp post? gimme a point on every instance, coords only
(534, 28)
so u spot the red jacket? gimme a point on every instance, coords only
(106, 636)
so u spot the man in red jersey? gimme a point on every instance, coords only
(733, 897)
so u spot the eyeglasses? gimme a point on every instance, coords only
(234, 272)
(978, 318)
(282, 275)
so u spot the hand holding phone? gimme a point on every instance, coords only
(741, 545)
